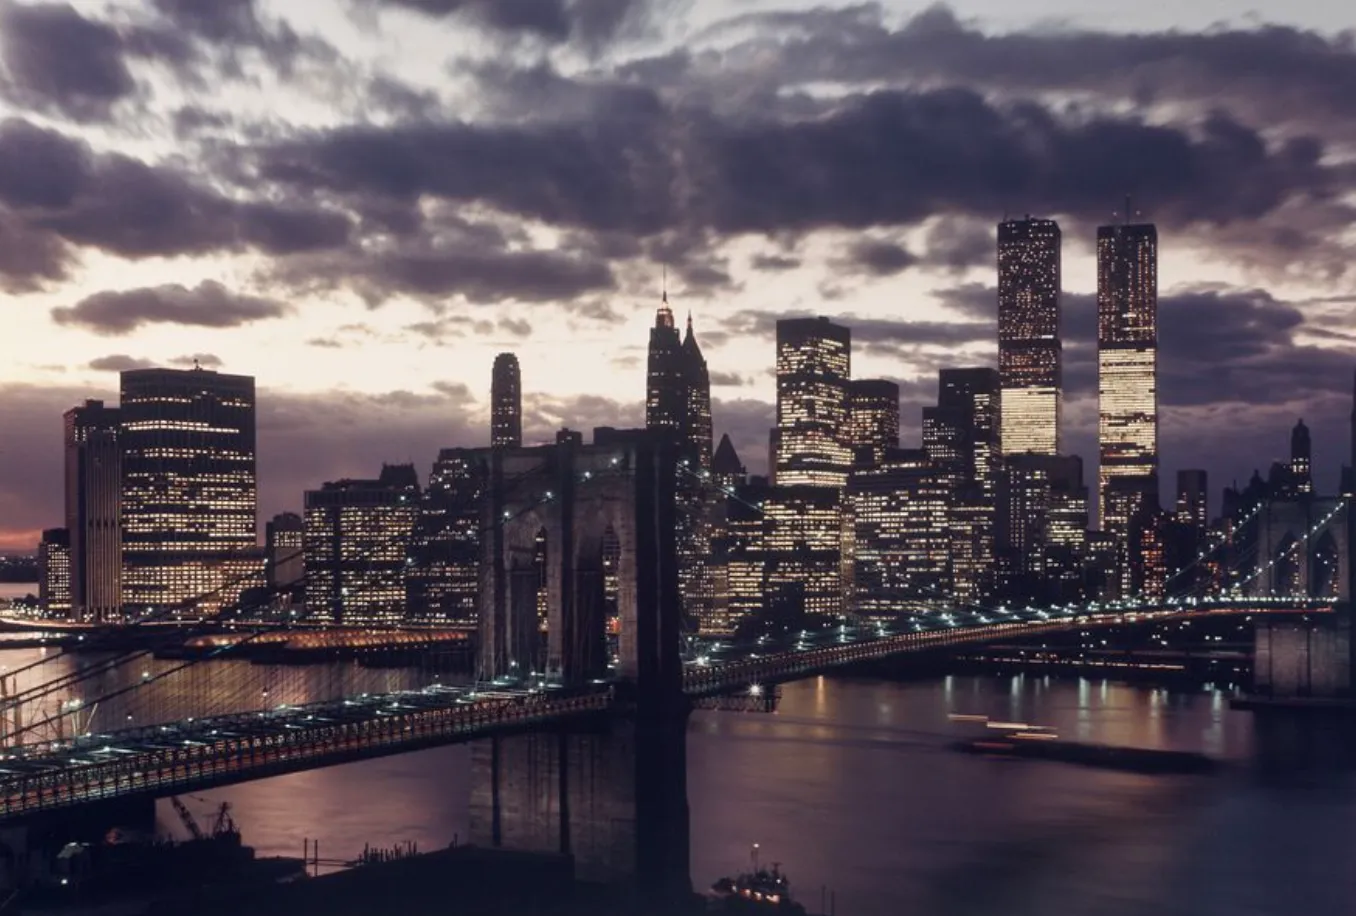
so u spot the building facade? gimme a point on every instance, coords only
(284, 555)
(443, 583)
(813, 371)
(93, 483)
(189, 491)
(1127, 372)
(54, 573)
(901, 516)
(873, 420)
(1030, 355)
(506, 402)
(357, 548)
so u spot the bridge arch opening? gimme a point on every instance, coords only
(1285, 577)
(1325, 567)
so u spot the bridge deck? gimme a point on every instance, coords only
(199, 755)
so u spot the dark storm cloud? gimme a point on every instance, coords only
(774, 263)
(209, 305)
(28, 259)
(880, 159)
(58, 61)
(589, 22)
(880, 258)
(870, 332)
(55, 185)
(1279, 73)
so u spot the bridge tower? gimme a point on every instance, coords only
(612, 794)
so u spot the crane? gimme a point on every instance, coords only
(187, 817)
(222, 826)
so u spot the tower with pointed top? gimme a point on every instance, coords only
(1301, 460)
(696, 426)
(665, 394)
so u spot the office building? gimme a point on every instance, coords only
(357, 547)
(901, 517)
(803, 552)
(506, 402)
(727, 471)
(1042, 528)
(961, 440)
(1029, 349)
(1127, 372)
(813, 369)
(873, 420)
(1301, 461)
(444, 578)
(1193, 499)
(189, 542)
(284, 559)
(93, 484)
(54, 574)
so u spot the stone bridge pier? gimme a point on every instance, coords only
(611, 793)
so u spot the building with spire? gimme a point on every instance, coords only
(506, 403)
(696, 427)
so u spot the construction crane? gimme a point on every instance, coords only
(222, 826)
(187, 817)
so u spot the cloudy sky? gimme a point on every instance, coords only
(360, 202)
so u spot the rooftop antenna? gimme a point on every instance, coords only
(666, 285)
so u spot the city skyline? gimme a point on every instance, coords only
(571, 290)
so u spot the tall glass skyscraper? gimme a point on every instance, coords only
(1127, 370)
(1029, 350)
(813, 368)
(94, 510)
(189, 491)
(506, 402)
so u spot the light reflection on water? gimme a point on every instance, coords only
(851, 785)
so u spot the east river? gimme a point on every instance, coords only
(851, 785)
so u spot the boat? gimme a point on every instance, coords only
(759, 891)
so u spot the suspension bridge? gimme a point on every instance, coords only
(130, 726)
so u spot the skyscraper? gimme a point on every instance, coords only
(284, 560)
(357, 546)
(1301, 460)
(506, 402)
(901, 538)
(188, 490)
(873, 419)
(1127, 371)
(444, 578)
(1029, 349)
(665, 381)
(697, 412)
(1193, 499)
(93, 510)
(813, 368)
(961, 439)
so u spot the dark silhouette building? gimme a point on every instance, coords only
(284, 559)
(961, 439)
(1301, 460)
(813, 369)
(506, 402)
(726, 469)
(94, 510)
(189, 492)
(1029, 348)
(1193, 498)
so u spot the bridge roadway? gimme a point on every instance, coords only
(202, 754)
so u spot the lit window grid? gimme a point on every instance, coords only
(1030, 418)
(903, 537)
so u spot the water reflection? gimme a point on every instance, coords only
(852, 786)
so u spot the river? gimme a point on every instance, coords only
(851, 785)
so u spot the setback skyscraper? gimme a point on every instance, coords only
(1127, 371)
(696, 426)
(189, 492)
(1029, 349)
(813, 368)
(93, 510)
(665, 380)
(506, 402)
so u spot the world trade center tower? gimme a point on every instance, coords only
(1127, 370)
(1029, 350)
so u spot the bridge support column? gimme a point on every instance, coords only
(1303, 658)
(614, 799)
